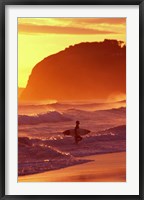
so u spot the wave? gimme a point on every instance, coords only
(37, 155)
(114, 110)
(73, 114)
(112, 114)
(42, 118)
(119, 132)
(63, 106)
(105, 141)
(70, 103)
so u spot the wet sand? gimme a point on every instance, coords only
(102, 168)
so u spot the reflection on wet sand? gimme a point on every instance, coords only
(102, 168)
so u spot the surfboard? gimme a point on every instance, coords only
(80, 131)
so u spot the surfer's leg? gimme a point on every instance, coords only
(79, 138)
(76, 139)
(76, 136)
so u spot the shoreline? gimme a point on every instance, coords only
(109, 167)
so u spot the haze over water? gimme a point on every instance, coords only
(62, 61)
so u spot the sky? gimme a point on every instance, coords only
(41, 37)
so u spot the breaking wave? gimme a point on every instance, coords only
(38, 155)
(53, 116)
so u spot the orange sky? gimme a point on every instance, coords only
(41, 37)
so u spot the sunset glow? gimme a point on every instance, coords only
(41, 37)
(72, 99)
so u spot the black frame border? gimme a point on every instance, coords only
(140, 3)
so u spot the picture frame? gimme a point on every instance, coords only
(3, 97)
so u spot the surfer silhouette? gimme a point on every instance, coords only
(77, 136)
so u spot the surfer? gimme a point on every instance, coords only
(77, 136)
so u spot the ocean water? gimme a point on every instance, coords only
(42, 145)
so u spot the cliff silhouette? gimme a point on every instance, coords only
(87, 70)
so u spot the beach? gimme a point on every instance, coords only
(109, 167)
